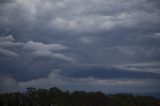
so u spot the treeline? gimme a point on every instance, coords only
(57, 97)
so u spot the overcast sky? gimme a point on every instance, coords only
(107, 45)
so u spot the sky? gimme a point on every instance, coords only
(93, 45)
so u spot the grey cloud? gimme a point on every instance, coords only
(103, 23)
(156, 36)
(5, 1)
(7, 41)
(62, 18)
(56, 79)
(6, 52)
(8, 84)
(7, 38)
(38, 46)
(82, 71)
(46, 55)
(143, 67)
(120, 26)
(60, 34)
(155, 2)
(52, 55)
(47, 50)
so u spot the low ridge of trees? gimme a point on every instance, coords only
(56, 97)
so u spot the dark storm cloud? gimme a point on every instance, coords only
(94, 84)
(155, 2)
(5, 1)
(20, 59)
(107, 73)
(8, 84)
(59, 34)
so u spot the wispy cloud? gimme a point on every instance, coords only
(153, 67)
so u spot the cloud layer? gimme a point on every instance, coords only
(96, 40)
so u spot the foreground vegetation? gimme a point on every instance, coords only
(57, 97)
